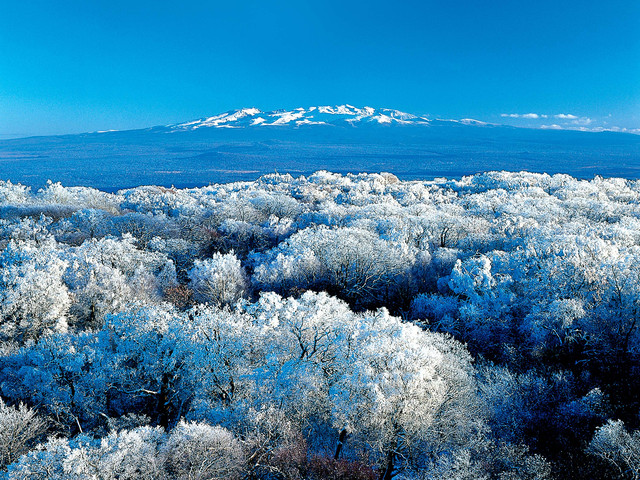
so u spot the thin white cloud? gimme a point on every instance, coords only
(559, 116)
(614, 129)
(569, 121)
(582, 121)
(571, 126)
(533, 116)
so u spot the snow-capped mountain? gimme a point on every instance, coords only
(321, 115)
(246, 143)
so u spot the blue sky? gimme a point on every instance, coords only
(73, 66)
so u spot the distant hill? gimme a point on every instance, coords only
(246, 143)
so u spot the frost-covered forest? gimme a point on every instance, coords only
(328, 327)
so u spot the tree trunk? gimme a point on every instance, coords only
(387, 474)
(92, 316)
(163, 403)
(341, 439)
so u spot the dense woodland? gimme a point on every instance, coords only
(329, 327)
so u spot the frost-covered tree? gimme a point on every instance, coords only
(45, 462)
(202, 452)
(219, 280)
(313, 362)
(134, 453)
(352, 262)
(406, 390)
(190, 451)
(486, 460)
(537, 274)
(34, 301)
(613, 443)
(65, 374)
(19, 428)
(146, 350)
(109, 275)
(13, 193)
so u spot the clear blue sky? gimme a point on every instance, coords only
(73, 66)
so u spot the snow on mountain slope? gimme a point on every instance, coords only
(243, 144)
(223, 120)
(321, 115)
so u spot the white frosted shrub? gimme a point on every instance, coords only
(219, 280)
(613, 443)
(197, 451)
(19, 427)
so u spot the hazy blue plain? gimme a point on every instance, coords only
(157, 156)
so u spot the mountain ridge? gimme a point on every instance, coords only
(245, 143)
(314, 115)
(345, 115)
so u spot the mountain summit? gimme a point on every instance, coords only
(246, 143)
(320, 115)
